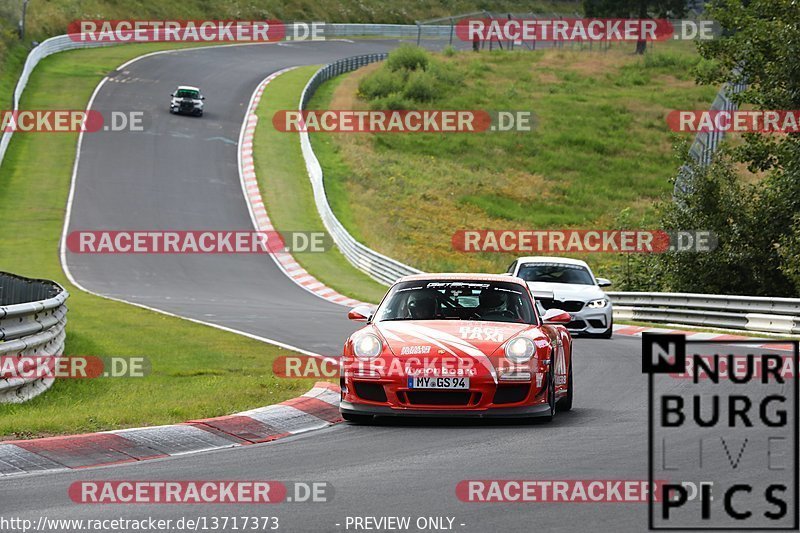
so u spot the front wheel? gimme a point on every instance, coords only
(357, 419)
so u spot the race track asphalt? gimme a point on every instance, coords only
(181, 173)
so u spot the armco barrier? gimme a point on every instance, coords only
(751, 313)
(33, 316)
(49, 47)
(378, 266)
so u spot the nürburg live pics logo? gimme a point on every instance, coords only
(722, 433)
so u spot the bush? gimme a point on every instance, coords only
(757, 244)
(408, 57)
(393, 102)
(380, 84)
(421, 87)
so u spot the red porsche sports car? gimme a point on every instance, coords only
(471, 345)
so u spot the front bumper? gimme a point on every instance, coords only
(527, 411)
(589, 321)
(183, 110)
(484, 398)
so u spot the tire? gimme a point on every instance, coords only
(565, 403)
(199, 114)
(357, 419)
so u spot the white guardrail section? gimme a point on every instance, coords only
(49, 47)
(751, 313)
(33, 317)
(381, 268)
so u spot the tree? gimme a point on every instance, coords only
(758, 225)
(641, 9)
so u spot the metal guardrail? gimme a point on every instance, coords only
(49, 47)
(381, 268)
(751, 313)
(706, 143)
(33, 317)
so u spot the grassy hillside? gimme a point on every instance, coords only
(46, 18)
(600, 148)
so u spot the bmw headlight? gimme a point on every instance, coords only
(597, 304)
(520, 350)
(367, 346)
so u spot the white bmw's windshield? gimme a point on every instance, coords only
(555, 273)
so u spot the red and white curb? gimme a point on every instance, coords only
(636, 331)
(261, 220)
(316, 409)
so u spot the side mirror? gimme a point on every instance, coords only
(361, 313)
(556, 316)
(603, 282)
(172, 94)
(202, 98)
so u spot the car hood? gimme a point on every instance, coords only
(442, 337)
(424, 344)
(568, 291)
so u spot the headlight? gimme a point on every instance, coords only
(367, 346)
(597, 304)
(520, 349)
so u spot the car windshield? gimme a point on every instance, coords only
(555, 273)
(187, 93)
(457, 300)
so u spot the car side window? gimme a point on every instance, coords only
(512, 268)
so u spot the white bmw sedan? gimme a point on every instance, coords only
(568, 284)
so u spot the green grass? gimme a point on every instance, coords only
(600, 146)
(287, 192)
(197, 371)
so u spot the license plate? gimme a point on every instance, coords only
(449, 383)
